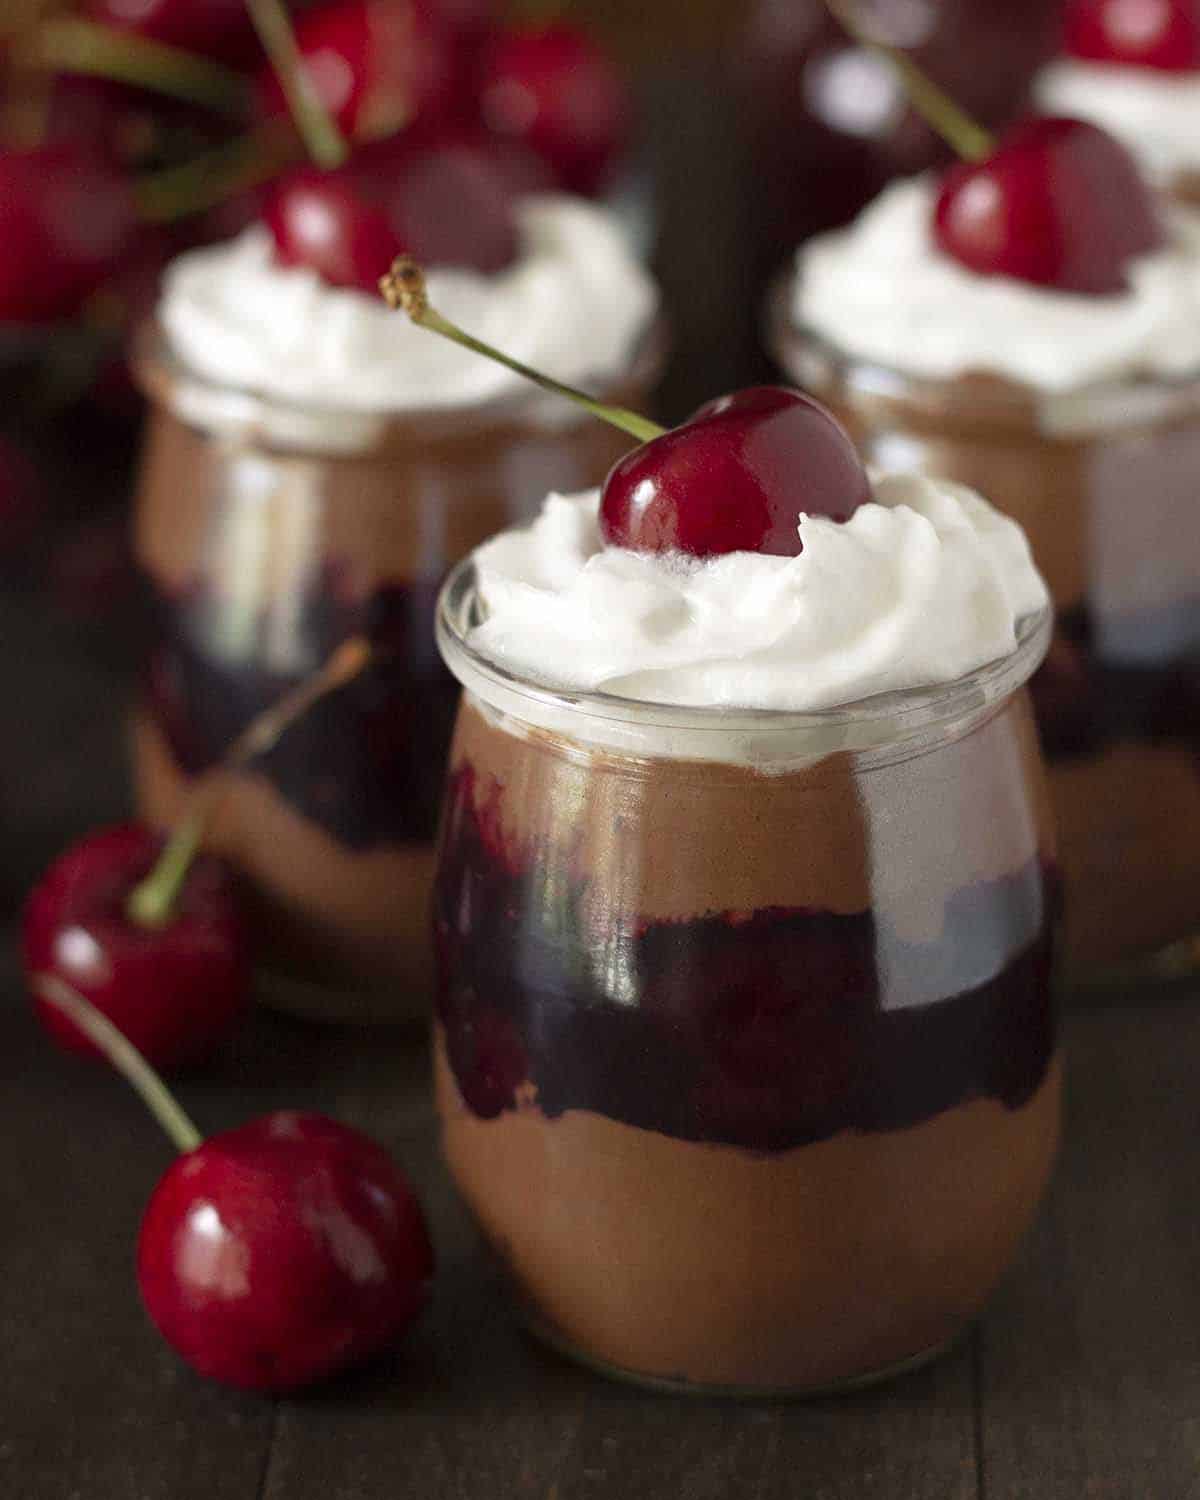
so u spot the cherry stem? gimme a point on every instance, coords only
(124, 1057)
(70, 44)
(152, 902)
(175, 192)
(322, 138)
(956, 127)
(404, 289)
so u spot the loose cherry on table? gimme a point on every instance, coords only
(177, 986)
(376, 66)
(737, 476)
(1159, 34)
(275, 1254)
(1057, 203)
(556, 90)
(67, 217)
(148, 932)
(447, 204)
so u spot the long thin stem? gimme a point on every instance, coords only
(403, 288)
(963, 134)
(152, 902)
(323, 139)
(70, 44)
(125, 1057)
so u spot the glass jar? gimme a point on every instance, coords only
(745, 1047)
(1104, 483)
(269, 534)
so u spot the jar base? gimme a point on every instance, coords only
(666, 1385)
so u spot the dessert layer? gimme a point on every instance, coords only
(365, 763)
(881, 290)
(802, 1269)
(575, 305)
(922, 586)
(580, 967)
(1155, 114)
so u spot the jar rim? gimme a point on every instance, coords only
(869, 722)
(982, 397)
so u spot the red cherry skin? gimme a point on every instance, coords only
(1059, 203)
(557, 91)
(445, 205)
(1159, 34)
(377, 65)
(66, 218)
(177, 991)
(735, 477)
(283, 1251)
(217, 28)
(320, 220)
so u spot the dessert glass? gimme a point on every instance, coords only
(745, 1046)
(269, 533)
(1103, 483)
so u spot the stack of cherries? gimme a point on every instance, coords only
(432, 98)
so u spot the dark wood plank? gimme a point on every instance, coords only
(1091, 1354)
(472, 1408)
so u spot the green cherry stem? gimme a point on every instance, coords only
(322, 138)
(963, 134)
(153, 901)
(70, 44)
(173, 193)
(125, 1057)
(403, 288)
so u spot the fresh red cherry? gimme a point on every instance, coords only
(218, 28)
(377, 65)
(276, 1254)
(1160, 34)
(321, 220)
(176, 990)
(1058, 203)
(736, 477)
(557, 91)
(447, 204)
(66, 218)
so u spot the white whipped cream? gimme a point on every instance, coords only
(574, 305)
(919, 587)
(881, 290)
(1155, 114)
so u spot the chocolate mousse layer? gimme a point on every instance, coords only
(1104, 488)
(748, 1075)
(269, 536)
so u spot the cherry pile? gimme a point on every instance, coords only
(447, 111)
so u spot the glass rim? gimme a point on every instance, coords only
(984, 395)
(904, 710)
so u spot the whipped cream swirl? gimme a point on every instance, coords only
(1155, 114)
(575, 305)
(919, 587)
(881, 290)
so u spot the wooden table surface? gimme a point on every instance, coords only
(1083, 1381)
